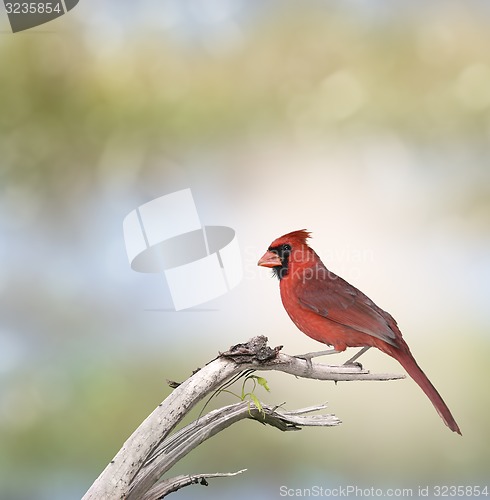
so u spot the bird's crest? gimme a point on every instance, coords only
(301, 236)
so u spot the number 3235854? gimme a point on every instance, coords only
(33, 8)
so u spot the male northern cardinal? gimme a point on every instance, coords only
(331, 311)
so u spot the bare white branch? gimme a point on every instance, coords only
(132, 472)
(191, 436)
(176, 483)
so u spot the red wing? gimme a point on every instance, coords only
(338, 301)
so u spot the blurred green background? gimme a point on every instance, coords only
(365, 122)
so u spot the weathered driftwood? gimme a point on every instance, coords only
(151, 450)
(191, 436)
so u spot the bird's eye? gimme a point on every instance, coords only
(286, 247)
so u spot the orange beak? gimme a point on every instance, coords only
(269, 259)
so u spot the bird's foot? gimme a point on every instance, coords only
(310, 355)
(354, 364)
(352, 361)
(309, 364)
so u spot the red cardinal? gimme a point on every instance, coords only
(330, 310)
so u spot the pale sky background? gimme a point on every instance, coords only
(365, 123)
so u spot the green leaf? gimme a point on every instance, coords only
(263, 382)
(257, 403)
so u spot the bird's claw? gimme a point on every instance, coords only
(354, 364)
(307, 358)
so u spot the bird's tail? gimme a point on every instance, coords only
(405, 358)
